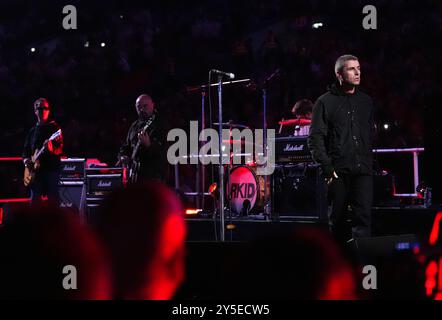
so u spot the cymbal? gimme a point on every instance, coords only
(299, 122)
(232, 125)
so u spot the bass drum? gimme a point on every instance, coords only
(245, 191)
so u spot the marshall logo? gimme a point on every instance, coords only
(69, 168)
(290, 147)
(104, 184)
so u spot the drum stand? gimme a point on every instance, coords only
(267, 201)
(267, 197)
(200, 181)
(229, 169)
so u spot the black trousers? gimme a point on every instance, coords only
(46, 185)
(350, 199)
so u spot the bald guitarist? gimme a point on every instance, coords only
(142, 151)
(41, 155)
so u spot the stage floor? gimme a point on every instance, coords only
(385, 221)
(394, 230)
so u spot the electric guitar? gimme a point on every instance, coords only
(29, 173)
(135, 165)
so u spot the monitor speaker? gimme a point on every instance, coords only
(298, 192)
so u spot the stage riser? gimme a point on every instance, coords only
(385, 222)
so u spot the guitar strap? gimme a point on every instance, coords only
(136, 149)
(33, 140)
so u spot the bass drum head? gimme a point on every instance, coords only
(243, 189)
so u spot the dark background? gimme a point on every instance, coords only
(165, 47)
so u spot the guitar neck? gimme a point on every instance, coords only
(39, 153)
(135, 151)
(145, 128)
(43, 148)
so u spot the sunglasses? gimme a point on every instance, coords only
(41, 108)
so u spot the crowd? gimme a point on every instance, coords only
(93, 74)
(132, 251)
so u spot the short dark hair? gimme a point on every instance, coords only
(41, 102)
(339, 65)
(303, 107)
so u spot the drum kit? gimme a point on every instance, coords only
(299, 126)
(246, 192)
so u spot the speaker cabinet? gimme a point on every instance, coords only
(93, 206)
(298, 192)
(386, 246)
(72, 195)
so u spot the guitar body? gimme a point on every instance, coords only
(29, 174)
(133, 171)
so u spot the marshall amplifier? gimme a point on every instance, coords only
(103, 184)
(292, 149)
(72, 169)
(100, 182)
(299, 192)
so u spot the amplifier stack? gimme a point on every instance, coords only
(298, 190)
(83, 189)
(72, 184)
(100, 182)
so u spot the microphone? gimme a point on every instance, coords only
(226, 74)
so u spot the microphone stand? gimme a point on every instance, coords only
(264, 104)
(201, 167)
(202, 89)
(221, 167)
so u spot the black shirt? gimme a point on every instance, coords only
(35, 139)
(152, 159)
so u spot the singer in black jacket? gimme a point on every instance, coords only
(340, 140)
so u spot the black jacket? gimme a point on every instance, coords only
(341, 133)
(152, 159)
(35, 139)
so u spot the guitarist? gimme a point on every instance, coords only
(145, 148)
(45, 182)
